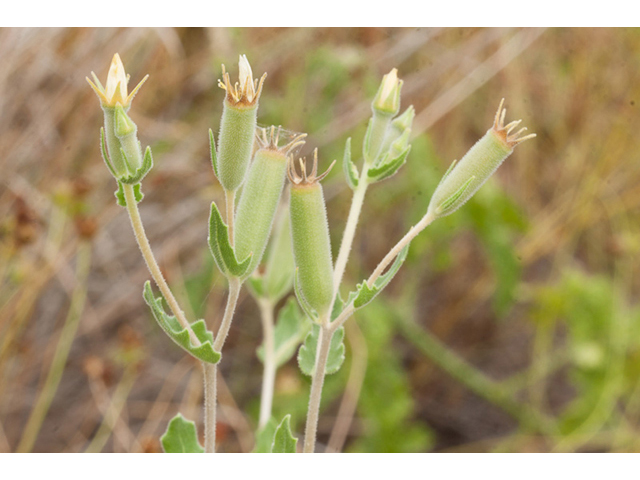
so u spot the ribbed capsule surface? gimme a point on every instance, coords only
(311, 245)
(235, 143)
(258, 204)
(479, 163)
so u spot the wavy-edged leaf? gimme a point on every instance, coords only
(365, 294)
(119, 194)
(388, 167)
(350, 170)
(291, 329)
(283, 440)
(307, 353)
(179, 335)
(181, 436)
(221, 249)
(308, 309)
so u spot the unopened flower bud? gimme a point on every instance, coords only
(387, 100)
(310, 238)
(116, 90)
(463, 179)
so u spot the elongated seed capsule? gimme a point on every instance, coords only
(260, 196)
(237, 126)
(464, 179)
(310, 237)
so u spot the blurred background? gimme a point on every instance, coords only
(514, 324)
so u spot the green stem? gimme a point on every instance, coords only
(69, 329)
(313, 412)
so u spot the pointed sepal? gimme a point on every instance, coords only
(221, 249)
(212, 150)
(179, 335)
(350, 170)
(308, 309)
(389, 166)
(444, 206)
(140, 173)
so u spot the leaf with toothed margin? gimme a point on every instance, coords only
(308, 309)
(212, 150)
(179, 335)
(453, 198)
(307, 353)
(147, 165)
(181, 436)
(350, 170)
(364, 294)
(119, 194)
(283, 440)
(290, 330)
(388, 167)
(221, 249)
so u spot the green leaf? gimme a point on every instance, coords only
(120, 194)
(283, 440)
(307, 353)
(389, 166)
(367, 142)
(264, 437)
(308, 309)
(181, 436)
(291, 329)
(221, 249)
(212, 149)
(170, 325)
(365, 294)
(256, 285)
(350, 170)
(147, 165)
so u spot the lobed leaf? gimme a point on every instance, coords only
(307, 353)
(181, 436)
(119, 194)
(264, 437)
(221, 249)
(179, 335)
(147, 165)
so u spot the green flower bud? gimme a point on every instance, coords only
(261, 195)
(463, 180)
(387, 99)
(310, 238)
(238, 126)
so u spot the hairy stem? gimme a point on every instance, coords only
(210, 373)
(350, 229)
(393, 253)
(230, 197)
(41, 407)
(269, 373)
(313, 412)
(152, 264)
